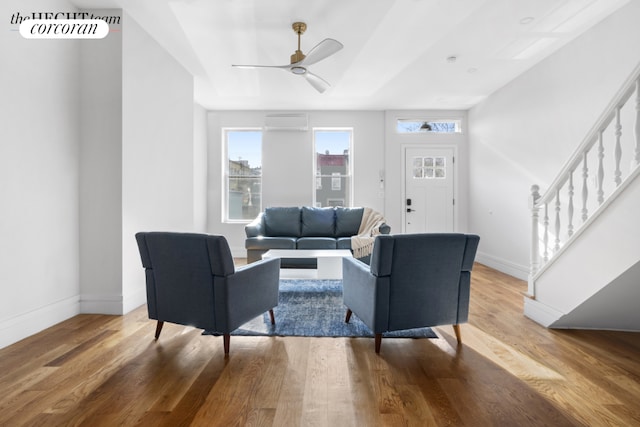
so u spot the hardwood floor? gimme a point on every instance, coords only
(98, 370)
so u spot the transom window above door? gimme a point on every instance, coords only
(429, 126)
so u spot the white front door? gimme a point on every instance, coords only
(429, 190)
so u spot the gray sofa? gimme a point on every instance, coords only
(303, 228)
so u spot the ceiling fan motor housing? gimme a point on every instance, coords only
(297, 56)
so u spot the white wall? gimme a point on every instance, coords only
(200, 172)
(101, 172)
(525, 132)
(157, 150)
(288, 163)
(137, 161)
(39, 137)
(98, 144)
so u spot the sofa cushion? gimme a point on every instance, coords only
(343, 243)
(283, 222)
(256, 227)
(348, 221)
(318, 221)
(316, 243)
(270, 243)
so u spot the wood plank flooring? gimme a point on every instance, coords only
(98, 370)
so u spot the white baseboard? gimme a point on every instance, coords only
(112, 304)
(516, 270)
(135, 300)
(101, 304)
(23, 325)
(541, 313)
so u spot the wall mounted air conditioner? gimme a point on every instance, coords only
(286, 122)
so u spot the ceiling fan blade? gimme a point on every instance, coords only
(326, 47)
(283, 67)
(317, 82)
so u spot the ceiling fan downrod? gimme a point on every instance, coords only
(299, 28)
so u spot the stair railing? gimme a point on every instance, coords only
(554, 223)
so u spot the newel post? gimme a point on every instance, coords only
(535, 237)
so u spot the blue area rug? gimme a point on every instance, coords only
(314, 308)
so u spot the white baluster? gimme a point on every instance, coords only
(617, 175)
(556, 248)
(545, 236)
(535, 236)
(585, 189)
(570, 206)
(600, 168)
(636, 160)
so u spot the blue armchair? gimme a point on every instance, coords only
(414, 281)
(191, 280)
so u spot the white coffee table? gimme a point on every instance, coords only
(329, 262)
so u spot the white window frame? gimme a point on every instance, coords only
(225, 172)
(336, 181)
(340, 202)
(349, 176)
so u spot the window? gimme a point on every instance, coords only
(333, 167)
(243, 174)
(430, 126)
(336, 181)
(429, 168)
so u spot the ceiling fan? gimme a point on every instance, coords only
(300, 61)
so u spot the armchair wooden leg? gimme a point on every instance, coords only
(226, 338)
(349, 313)
(159, 328)
(456, 329)
(273, 318)
(378, 339)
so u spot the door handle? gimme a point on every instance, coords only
(410, 210)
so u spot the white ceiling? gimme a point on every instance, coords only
(395, 52)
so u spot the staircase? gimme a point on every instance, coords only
(585, 243)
